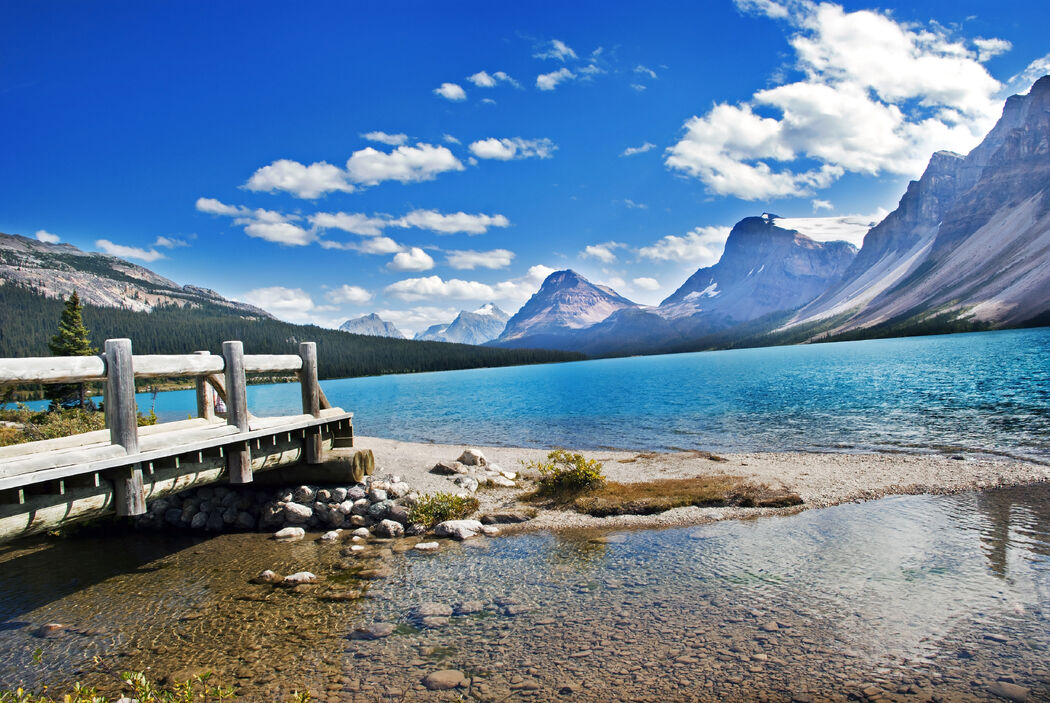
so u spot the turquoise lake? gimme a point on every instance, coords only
(987, 391)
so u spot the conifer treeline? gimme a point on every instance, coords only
(28, 320)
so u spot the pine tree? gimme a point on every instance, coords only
(72, 340)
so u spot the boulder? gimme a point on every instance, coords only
(504, 518)
(298, 578)
(467, 483)
(458, 529)
(297, 512)
(377, 495)
(361, 532)
(338, 495)
(267, 576)
(472, 457)
(361, 506)
(399, 489)
(378, 511)
(389, 528)
(289, 534)
(398, 513)
(356, 492)
(303, 494)
(448, 468)
(331, 536)
(374, 631)
(444, 680)
(198, 521)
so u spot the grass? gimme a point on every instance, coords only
(430, 510)
(51, 424)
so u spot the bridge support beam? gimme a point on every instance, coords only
(122, 419)
(238, 457)
(311, 391)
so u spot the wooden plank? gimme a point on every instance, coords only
(238, 457)
(271, 363)
(121, 416)
(165, 365)
(129, 493)
(88, 439)
(325, 405)
(205, 395)
(55, 459)
(52, 369)
(173, 441)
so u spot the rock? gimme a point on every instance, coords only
(399, 489)
(375, 631)
(356, 492)
(515, 609)
(346, 507)
(377, 495)
(323, 495)
(361, 521)
(173, 516)
(444, 680)
(338, 495)
(504, 518)
(389, 528)
(297, 512)
(361, 532)
(433, 621)
(398, 513)
(448, 468)
(379, 511)
(509, 475)
(331, 535)
(267, 576)
(769, 627)
(289, 534)
(458, 529)
(51, 629)
(245, 521)
(303, 494)
(500, 481)
(489, 530)
(472, 457)
(427, 547)
(215, 522)
(428, 609)
(469, 607)
(298, 578)
(361, 506)
(198, 521)
(1009, 691)
(415, 528)
(467, 483)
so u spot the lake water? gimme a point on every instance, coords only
(987, 391)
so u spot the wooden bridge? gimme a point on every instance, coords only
(52, 482)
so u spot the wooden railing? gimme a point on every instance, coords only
(224, 376)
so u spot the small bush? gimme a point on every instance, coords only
(51, 424)
(432, 509)
(563, 472)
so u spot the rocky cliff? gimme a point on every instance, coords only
(470, 327)
(371, 326)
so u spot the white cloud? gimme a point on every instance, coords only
(483, 79)
(550, 81)
(517, 290)
(43, 235)
(348, 294)
(370, 245)
(291, 304)
(819, 205)
(280, 233)
(431, 287)
(555, 49)
(514, 148)
(494, 259)
(1033, 72)
(304, 181)
(451, 91)
(638, 87)
(449, 139)
(414, 259)
(406, 164)
(645, 71)
(170, 242)
(646, 283)
(876, 97)
(212, 206)
(845, 228)
(702, 246)
(418, 317)
(602, 252)
(126, 252)
(353, 222)
(632, 150)
(453, 222)
(384, 138)
(990, 48)
(635, 206)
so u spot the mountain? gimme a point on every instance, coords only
(477, 327)
(565, 303)
(764, 268)
(56, 270)
(371, 326)
(968, 245)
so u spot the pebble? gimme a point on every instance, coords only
(289, 534)
(299, 577)
(375, 631)
(331, 535)
(427, 546)
(444, 680)
(1009, 691)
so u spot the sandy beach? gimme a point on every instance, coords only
(821, 479)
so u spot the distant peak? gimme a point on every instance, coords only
(1041, 85)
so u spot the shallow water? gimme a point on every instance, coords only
(986, 392)
(942, 594)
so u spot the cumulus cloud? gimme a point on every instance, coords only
(212, 206)
(413, 259)
(280, 233)
(348, 294)
(876, 96)
(261, 224)
(291, 304)
(126, 252)
(844, 228)
(452, 223)
(43, 235)
(702, 246)
(368, 166)
(550, 81)
(632, 150)
(469, 260)
(449, 139)
(483, 79)
(353, 222)
(451, 91)
(170, 242)
(990, 48)
(819, 205)
(514, 148)
(602, 252)
(304, 181)
(1033, 72)
(419, 317)
(645, 71)
(635, 206)
(555, 49)
(430, 287)
(384, 138)
(371, 245)
(638, 87)
(646, 283)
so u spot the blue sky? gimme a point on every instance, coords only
(419, 158)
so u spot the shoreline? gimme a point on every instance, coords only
(821, 479)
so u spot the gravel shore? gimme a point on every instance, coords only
(821, 479)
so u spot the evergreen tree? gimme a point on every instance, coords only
(72, 340)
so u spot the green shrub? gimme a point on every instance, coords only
(429, 510)
(563, 472)
(51, 424)
(142, 690)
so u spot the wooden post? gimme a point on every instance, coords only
(238, 457)
(311, 400)
(205, 397)
(129, 494)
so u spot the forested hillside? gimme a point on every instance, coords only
(28, 320)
